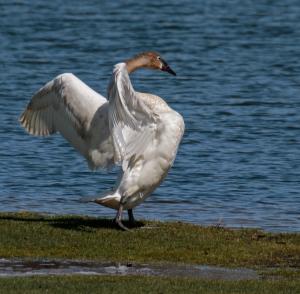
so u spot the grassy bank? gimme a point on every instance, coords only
(35, 236)
(25, 235)
(137, 284)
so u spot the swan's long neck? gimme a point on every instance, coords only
(135, 63)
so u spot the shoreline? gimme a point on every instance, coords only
(34, 235)
(68, 253)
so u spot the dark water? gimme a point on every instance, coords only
(238, 88)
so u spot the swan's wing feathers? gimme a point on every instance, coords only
(66, 95)
(69, 106)
(132, 122)
(37, 118)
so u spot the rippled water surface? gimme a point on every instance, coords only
(238, 88)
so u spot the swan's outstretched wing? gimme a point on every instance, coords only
(132, 122)
(69, 106)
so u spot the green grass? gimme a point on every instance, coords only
(280, 273)
(30, 235)
(139, 284)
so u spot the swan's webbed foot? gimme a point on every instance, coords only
(121, 226)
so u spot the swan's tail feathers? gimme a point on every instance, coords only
(87, 199)
(109, 199)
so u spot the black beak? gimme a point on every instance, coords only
(167, 68)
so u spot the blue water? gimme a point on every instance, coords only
(238, 88)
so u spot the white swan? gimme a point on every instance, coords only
(136, 130)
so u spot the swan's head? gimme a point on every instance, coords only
(155, 61)
(152, 60)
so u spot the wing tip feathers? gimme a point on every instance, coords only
(31, 122)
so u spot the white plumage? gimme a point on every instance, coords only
(69, 106)
(136, 130)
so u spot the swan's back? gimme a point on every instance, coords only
(155, 103)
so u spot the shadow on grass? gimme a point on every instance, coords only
(87, 224)
(77, 223)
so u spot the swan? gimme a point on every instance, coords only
(137, 131)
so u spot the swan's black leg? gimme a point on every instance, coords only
(131, 217)
(118, 219)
